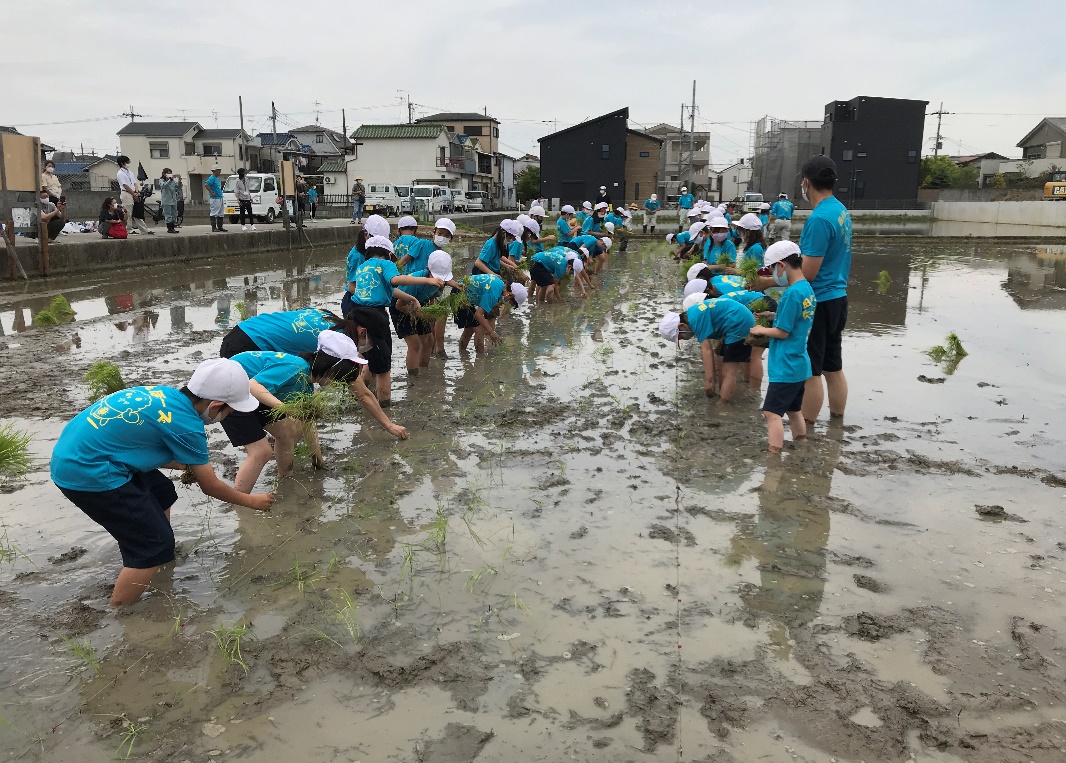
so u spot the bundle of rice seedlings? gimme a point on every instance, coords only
(952, 349)
(448, 305)
(59, 311)
(242, 310)
(884, 280)
(103, 379)
(303, 407)
(14, 451)
(749, 269)
(724, 259)
(686, 264)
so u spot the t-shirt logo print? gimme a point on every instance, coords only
(303, 322)
(126, 405)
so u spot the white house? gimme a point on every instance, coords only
(187, 149)
(503, 191)
(1042, 149)
(415, 154)
(734, 180)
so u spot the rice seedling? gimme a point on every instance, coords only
(14, 451)
(761, 306)
(686, 264)
(724, 259)
(229, 643)
(477, 576)
(9, 552)
(303, 576)
(84, 651)
(35, 738)
(884, 280)
(130, 732)
(303, 407)
(950, 353)
(242, 309)
(408, 564)
(446, 306)
(103, 379)
(519, 605)
(59, 311)
(748, 269)
(438, 533)
(346, 614)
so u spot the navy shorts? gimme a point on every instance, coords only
(346, 303)
(246, 428)
(784, 397)
(133, 515)
(736, 352)
(824, 342)
(236, 341)
(465, 317)
(407, 325)
(541, 275)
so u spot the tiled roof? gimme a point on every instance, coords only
(229, 132)
(71, 168)
(159, 129)
(268, 138)
(457, 116)
(333, 165)
(398, 131)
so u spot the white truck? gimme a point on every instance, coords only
(263, 188)
(383, 199)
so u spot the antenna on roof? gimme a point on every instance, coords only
(318, 109)
(215, 115)
(131, 114)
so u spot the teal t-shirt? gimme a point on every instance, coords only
(720, 319)
(682, 238)
(827, 234)
(134, 430)
(563, 229)
(743, 296)
(728, 283)
(686, 201)
(282, 374)
(592, 225)
(214, 187)
(652, 206)
(490, 255)
(419, 251)
(580, 217)
(355, 259)
(423, 292)
(619, 222)
(753, 252)
(516, 250)
(485, 291)
(789, 361)
(402, 245)
(373, 282)
(712, 251)
(554, 260)
(292, 331)
(782, 209)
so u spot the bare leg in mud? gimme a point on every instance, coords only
(464, 338)
(438, 338)
(814, 395)
(730, 372)
(286, 433)
(132, 582)
(755, 367)
(383, 387)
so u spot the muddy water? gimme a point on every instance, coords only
(576, 555)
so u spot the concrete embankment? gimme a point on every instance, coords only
(1041, 214)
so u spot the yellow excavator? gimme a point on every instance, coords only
(1055, 187)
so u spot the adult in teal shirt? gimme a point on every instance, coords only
(312, 201)
(781, 217)
(107, 461)
(826, 246)
(651, 211)
(684, 206)
(214, 198)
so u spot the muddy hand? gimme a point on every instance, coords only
(397, 431)
(318, 462)
(261, 501)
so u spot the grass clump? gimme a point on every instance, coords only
(84, 651)
(59, 311)
(103, 379)
(229, 643)
(950, 353)
(14, 451)
(304, 406)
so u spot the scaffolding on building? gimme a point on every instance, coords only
(781, 148)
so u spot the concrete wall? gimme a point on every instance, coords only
(1046, 214)
(980, 194)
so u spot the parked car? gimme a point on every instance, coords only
(751, 202)
(460, 202)
(264, 190)
(407, 202)
(477, 201)
(432, 197)
(382, 199)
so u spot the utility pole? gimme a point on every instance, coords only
(131, 114)
(281, 175)
(318, 111)
(214, 113)
(939, 115)
(244, 143)
(680, 143)
(692, 134)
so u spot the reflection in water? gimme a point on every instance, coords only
(1037, 281)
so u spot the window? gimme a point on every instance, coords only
(269, 184)
(320, 138)
(449, 128)
(1033, 152)
(240, 151)
(645, 154)
(846, 155)
(159, 150)
(496, 132)
(860, 189)
(190, 148)
(605, 151)
(860, 154)
(212, 149)
(636, 190)
(474, 130)
(912, 157)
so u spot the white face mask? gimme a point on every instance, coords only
(441, 241)
(719, 237)
(114, 205)
(50, 170)
(207, 418)
(803, 192)
(782, 279)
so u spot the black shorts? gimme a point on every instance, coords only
(784, 397)
(407, 325)
(379, 357)
(736, 352)
(133, 515)
(466, 317)
(235, 342)
(541, 275)
(246, 428)
(346, 303)
(823, 344)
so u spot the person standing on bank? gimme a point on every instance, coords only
(51, 182)
(358, 200)
(781, 218)
(127, 186)
(826, 246)
(651, 210)
(213, 184)
(170, 192)
(108, 457)
(684, 206)
(244, 199)
(603, 196)
(312, 200)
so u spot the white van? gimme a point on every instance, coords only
(476, 201)
(407, 204)
(382, 199)
(432, 197)
(264, 190)
(459, 201)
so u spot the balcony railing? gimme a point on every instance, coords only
(451, 164)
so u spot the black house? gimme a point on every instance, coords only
(877, 146)
(575, 162)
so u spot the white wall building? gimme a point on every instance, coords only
(734, 180)
(401, 154)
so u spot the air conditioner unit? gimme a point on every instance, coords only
(328, 179)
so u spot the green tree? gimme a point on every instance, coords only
(941, 172)
(527, 184)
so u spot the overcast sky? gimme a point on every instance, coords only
(71, 67)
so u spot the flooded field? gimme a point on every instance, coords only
(576, 555)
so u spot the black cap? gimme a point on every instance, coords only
(240, 170)
(820, 168)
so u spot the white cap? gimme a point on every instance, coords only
(696, 286)
(609, 227)
(586, 205)
(578, 266)
(782, 195)
(778, 251)
(407, 222)
(654, 197)
(764, 207)
(684, 189)
(216, 167)
(692, 300)
(695, 229)
(376, 225)
(695, 212)
(533, 225)
(512, 226)
(750, 221)
(519, 292)
(718, 222)
(606, 242)
(571, 255)
(537, 210)
(669, 238)
(625, 212)
(522, 220)
(602, 205)
(340, 346)
(444, 224)
(695, 270)
(225, 381)
(567, 209)
(603, 188)
(668, 326)
(440, 265)
(379, 242)
(584, 251)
